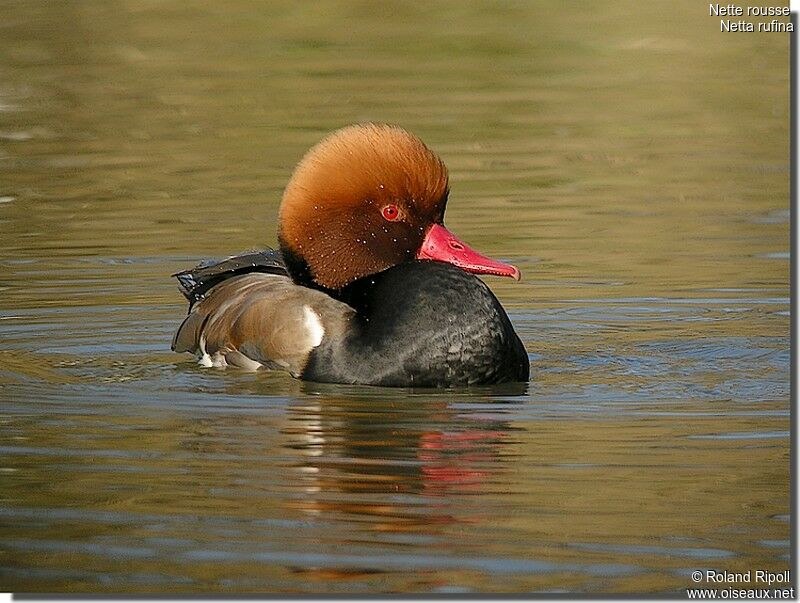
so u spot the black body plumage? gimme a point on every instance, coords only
(426, 324)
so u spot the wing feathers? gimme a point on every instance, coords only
(261, 319)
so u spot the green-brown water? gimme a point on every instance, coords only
(628, 157)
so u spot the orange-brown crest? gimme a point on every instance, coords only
(333, 214)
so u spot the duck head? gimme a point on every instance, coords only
(364, 199)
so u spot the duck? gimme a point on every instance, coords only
(367, 286)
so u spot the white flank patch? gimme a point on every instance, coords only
(313, 325)
(203, 359)
(218, 360)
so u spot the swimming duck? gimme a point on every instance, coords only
(368, 286)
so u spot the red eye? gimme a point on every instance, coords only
(391, 213)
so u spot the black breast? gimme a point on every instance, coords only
(426, 324)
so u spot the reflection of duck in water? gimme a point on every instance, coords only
(353, 296)
(400, 465)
